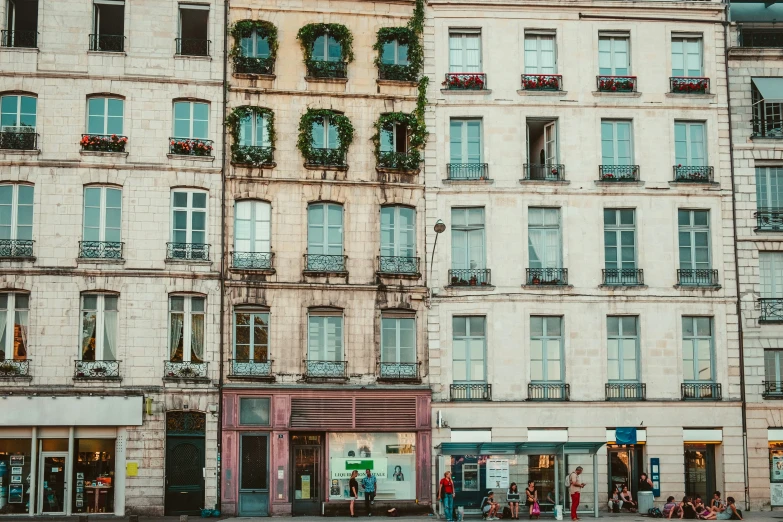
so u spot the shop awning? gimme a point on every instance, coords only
(771, 89)
(519, 448)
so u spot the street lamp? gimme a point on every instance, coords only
(439, 228)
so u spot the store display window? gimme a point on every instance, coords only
(14, 476)
(93, 479)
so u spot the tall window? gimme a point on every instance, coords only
(252, 227)
(18, 113)
(398, 232)
(546, 349)
(540, 56)
(544, 238)
(186, 329)
(14, 310)
(16, 212)
(614, 58)
(108, 26)
(255, 46)
(694, 236)
(769, 188)
(689, 144)
(686, 57)
(394, 138)
(465, 141)
(102, 214)
(189, 217)
(191, 120)
(467, 238)
(99, 327)
(619, 238)
(327, 49)
(616, 143)
(623, 348)
(251, 336)
(105, 116)
(469, 346)
(697, 349)
(325, 134)
(398, 340)
(324, 232)
(771, 271)
(767, 107)
(465, 52)
(773, 371)
(193, 30)
(325, 337)
(254, 131)
(394, 53)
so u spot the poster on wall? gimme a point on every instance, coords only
(777, 468)
(17, 460)
(305, 487)
(15, 493)
(776, 494)
(341, 468)
(497, 473)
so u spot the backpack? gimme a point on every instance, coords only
(568, 481)
(654, 513)
(506, 512)
(615, 507)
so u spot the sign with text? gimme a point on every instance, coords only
(497, 473)
(341, 468)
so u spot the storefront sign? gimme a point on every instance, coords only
(341, 468)
(497, 473)
(776, 494)
(15, 493)
(17, 460)
(305, 487)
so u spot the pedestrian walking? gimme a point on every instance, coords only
(446, 495)
(575, 486)
(368, 483)
(353, 486)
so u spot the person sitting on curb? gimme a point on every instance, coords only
(489, 508)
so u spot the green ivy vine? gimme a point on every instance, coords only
(308, 34)
(251, 64)
(409, 35)
(344, 131)
(245, 154)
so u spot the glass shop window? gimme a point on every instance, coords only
(93, 490)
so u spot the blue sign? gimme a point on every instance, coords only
(655, 475)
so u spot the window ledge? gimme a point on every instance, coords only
(188, 157)
(315, 79)
(472, 92)
(766, 139)
(623, 287)
(601, 183)
(448, 181)
(695, 287)
(98, 261)
(18, 152)
(323, 273)
(21, 49)
(695, 183)
(256, 378)
(108, 53)
(315, 379)
(543, 183)
(15, 378)
(192, 57)
(254, 166)
(525, 92)
(409, 172)
(707, 96)
(393, 380)
(401, 275)
(97, 379)
(252, 271)
(103, 153)
(767, 231)
(337, 168)
(251, 76)
(397, 83)
(548, 287)
(770, 321)
(618, 94)
(200, 262)
(487, 288)
(30, 259)
(191, 380)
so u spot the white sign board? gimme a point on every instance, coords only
(341, 468)
(497, 473)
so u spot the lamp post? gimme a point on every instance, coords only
(439, 228)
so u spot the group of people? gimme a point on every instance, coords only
(368, 483)
(694, 508)
(622, 498)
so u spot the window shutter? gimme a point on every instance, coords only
(455, 141)
(696, 135)
(387, 232)
(473, 53)
(455, 53)
(474, 141)
(607, 143)
(459, 253)
(316, 229)
(678, 58)
(334, 231)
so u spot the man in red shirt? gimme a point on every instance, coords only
(446, 494)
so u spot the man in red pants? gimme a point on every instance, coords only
(575, 487)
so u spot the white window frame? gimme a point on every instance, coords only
(536, 39)
(397, 323)
(254, 222)
(612, 38)
(463, 139)
(325, 245)
(616, 142)
(481, 340)
(690, 144)
(11, 310)
(777, 356)
(325, 57)
(771, 274)
(322, 319)
(545, 230)
(692, 230)
(191, 105)
(100, 324)
(254, 45)
(619, 338)
(15, 211)
(190, 210)
(694, 344)
(544, 353)
(105, 130)
(17, 127)
(187, 326)
(102, 210)
(617, 229)
(683, 39)
(475, 228)
(764, 187)
(264, 316)
(325, 126)
(396, 44)
(463, 35)
(253, 140)
(190, 7)
(397, 248)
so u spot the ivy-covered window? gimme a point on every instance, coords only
(325, 134)
(327, 50)
(394, 138)
(324, 137)
(255, 47)
(254, 131)
(394, 53)
(400, 54)
(398, 140)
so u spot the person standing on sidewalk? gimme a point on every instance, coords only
(575, 486)
(353, 485)
(446, 495)
(368, 483)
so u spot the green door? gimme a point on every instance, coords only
(254, 475)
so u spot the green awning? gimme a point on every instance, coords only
(757, 12)
(771, 89)
(519, 448)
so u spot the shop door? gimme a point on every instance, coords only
(306, 464)
(625, 466)
(185, 462)
(254, 475)
(700, 470)
(52, 483)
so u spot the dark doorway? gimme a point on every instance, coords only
(306, 465)
(700, 470)
(626, 463)
(254, 475)
(185, 462)
(21, 28)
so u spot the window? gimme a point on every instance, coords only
(252, 227)
(102, 214)
(546, 349)
(327, 49)
(465, 52)
(108, 26)
(251, 336)
(193, 30)
(767, 107)
(769, 188)
(254, 131)
(394, 53)
(254, 412)
(189, 217)
(465, 141)
(325, 337)
(614, 58)
(16, 212)
(619, 238)
(325, 134)
(544, 238)
(186, 329)
(623, 346)
(398, 232)
(398, 340)
(469, 348)
(542, 147)
(18, 113)
(22, 24)
(105, 116)
(255, 46)
(773, 371)
(394, 138)
(99, 327)
(697, 349)
(689, 144)
(191, 120)
(686, 57)
(540, 56)
(694, 236)
(14, 310)
(771, 271)
(616, 143)
(325, 230)
(467, 238)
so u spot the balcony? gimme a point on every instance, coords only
(470, 277)
(771, 310)
(544, 172)
(247, 369)
(689, 85)
(763, 37)
(321, 157)
(12, 369)
(100, 250)
(190, 147)
(546, 276)
(192, 46)
(471, 391)
(187, 252)
(399, 372)
(103, 142)
(772, 389)
(398, 265)
(705, 277)
(688, 174)
(18, 138)
(616, 83)
(252, 155)
(467, 171)
(253, 65)
(399, 160)
(542, 82)
(626, 391)
(108, 43)
(623, 276)
(769, 220)
(331, 370)
(181, 370)
(97, 370)
(769, 127)
(323, 263)
(465, 82)
(701, 391)
(324, 69)
(252, 260)
(21, 39)
(618, 173)
(548, 391)
(16, 248)
(396, 72)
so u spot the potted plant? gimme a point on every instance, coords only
(8, 368)
(536, 280)
(473, 280)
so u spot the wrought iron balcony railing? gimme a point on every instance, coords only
(21, 138)
(701, 391)
(322, 157)
(190, 147)
(546, 276)
(542, 82)
(326, 369)
(471, 391)
(616, 83)
(399, 160)
(26, 39)
(618, 173)
(252, 155)
(626, 391)
(96, 370)
(544, 172)
(187, 251)
(770, 37)
(398, 265)
(467, 171)
(769, 220)
(697, 277)
(324, 69)
(689, 174)
(548, 391)
(325, 263)
(393, 71)
(252, 260)
(103, 142)
(100, 249)
(16, 248)
(769, 127)
(253, 65)
(192, 46)
(248, 369)
(110, 43)
(689, 85)
(470, 277)
(465, 81)
(185, 370)
(772, 389)
(14, 368)
(392, 371)
(623, 276)
(771, 310)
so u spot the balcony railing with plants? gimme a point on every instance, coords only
(185, 370)
(769, 220)
(253, 65)
(18, 138)
(398, 265)
(689, 85)
(618, 173)
(470, 391)
(393, 71)
(190, 147)
(769, 37)
(315, 369)
(692, 174)
(544, 172)
(324, 69)
(252, 260)
(187, 252)
(769, 127)
(322, 157)
(542, 82)
(546, 276)
(103, 142)
(96, 370)
(771, 310)
(623, 276)
(701, 391)
(192, 46)
(548, 391)
(470, 277)
(626, 391)
(400, 372)
(14, 368)
(252, 155)
(16, 248)
(467, 171)
(248, 369)
(616, 83)
(772, 389)
(697, 277)
(100, 249)
(24, 39)
(399, 160)
(465, 81)
(334, 264)
(109, 43)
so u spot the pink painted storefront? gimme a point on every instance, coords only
(290, 451)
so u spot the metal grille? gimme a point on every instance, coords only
(187, 251)
(772, 389)
(392, 371)
(252, 155)
(618, 173)
(253, 65)
(184, 370)
(19, 140)
(548, 391)
(473, 391)
(544, 172)
(326, 369)
(331, 413)
(192, 46)
(466, 81)
(542, 82)
(399, 265)
(184, 422)
(616, 83)
(100, 250)
(252, 260)
(16, 248)
(399, 160)
(689, 85)
(470, 277)
(697, 277)
(467, 171)
(771, 309)
(324, 263)
(769, 220)
(185, 465)
(324, 69)
(97, 370)
(393, 71)
(114, 43)
(701, 391)
(626, 391)
(247, 368)
(398, 413)
(691, 174)
(28, 39)
(323, 157)
(14, 368)
(623, 276)
(547, 276)
(254, 462)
